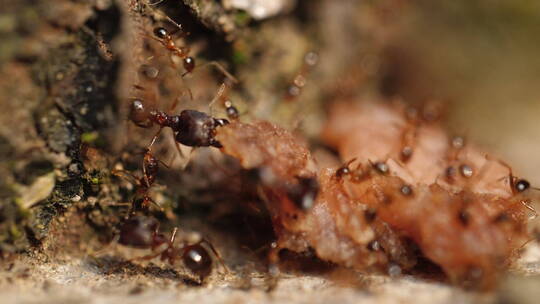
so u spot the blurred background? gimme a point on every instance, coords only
(68, 67)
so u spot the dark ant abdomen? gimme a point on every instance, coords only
(138, 232)
(139, 115)
(197, 259)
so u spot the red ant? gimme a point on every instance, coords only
(344, 170)
(360, 173)
(164, 38)
(142, 232)
(191, 127)
(518, 186)
(142, 200)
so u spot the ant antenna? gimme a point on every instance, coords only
(220, 67)
(156, 3)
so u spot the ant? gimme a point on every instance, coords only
(191, 127)
(344, 170)
(142, 200)
(517, 185)
(163, 36)
(142, 232)
(360, 173)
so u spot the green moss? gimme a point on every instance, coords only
(15, 233)
(95, 180)
(239, 57)
(89, 137)
(242, 18)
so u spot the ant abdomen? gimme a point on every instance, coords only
(140, 232)
(161, 32)
(189, 64)
(198, 260)
(232, 111)
(139, 114)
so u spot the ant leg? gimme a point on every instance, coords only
(145, 174)
(184, 165)
(531, 208)
(218, 66)
(177, 146)
(177, 99)
(173, 236)
(109, 245)
(216, 253)
(155, 3)
(510, 175)
(126, 175)
(168, 166)
(219, 96)
(179, 26)
(149, 199)
(273, 265)
(154, 139)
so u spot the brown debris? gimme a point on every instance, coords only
(381, 212)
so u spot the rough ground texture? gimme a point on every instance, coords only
(68, 69)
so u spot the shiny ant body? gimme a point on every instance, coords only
(164, 37)
(142, 232)
(141, 200)
(191, 127)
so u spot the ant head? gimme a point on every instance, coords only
(406, 190)
(345, 169)
(381, 167)
(161, 32)
(197, 259)
(406, 153)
